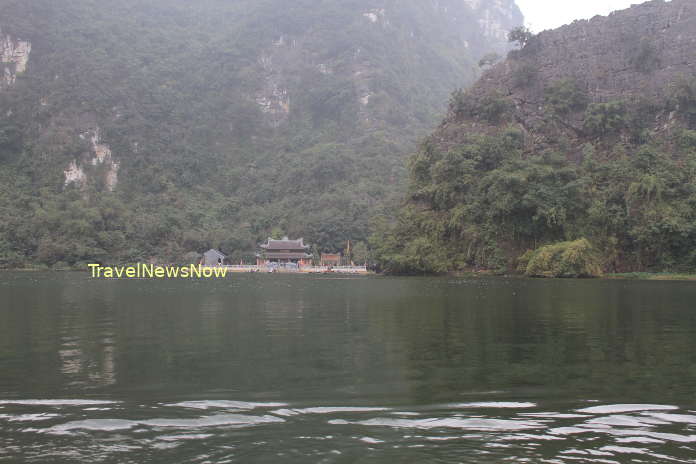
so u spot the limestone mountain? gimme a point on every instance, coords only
(583, 136)
(139, 129)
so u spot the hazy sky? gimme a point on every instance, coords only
(549, 14)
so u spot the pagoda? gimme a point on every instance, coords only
(284, 251)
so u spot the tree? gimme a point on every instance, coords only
(489, 59)
(520, 35)
(361, 254)
(603, 119)
(564, 95)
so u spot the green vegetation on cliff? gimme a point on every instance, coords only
(481, 204)
(592, 165)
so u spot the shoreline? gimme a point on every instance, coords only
(663, 276)
(652, 276)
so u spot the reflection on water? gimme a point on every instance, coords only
(298, 369)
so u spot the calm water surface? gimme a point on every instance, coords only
(298, 369)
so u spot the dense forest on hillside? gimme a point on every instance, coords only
(144, 130)
(574, 157)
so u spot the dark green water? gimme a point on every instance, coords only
(299, 369)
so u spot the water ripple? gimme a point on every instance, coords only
(57, 402)
(491, 432)
(455, 423)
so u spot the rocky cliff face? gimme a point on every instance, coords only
(496, 18)
(370, 64)
(293, 61)
(634, 57)
(14, 56)
(584, 139)
(96, 163)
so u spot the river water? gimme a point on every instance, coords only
(301, 369)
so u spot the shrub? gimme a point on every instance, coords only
(490, 108)
(523, 261)
(686, 139)
(524, 75)
(603, 119)
(684, 99)
(489, 60)
(641, 116)
(513, 138)
(493, 107)
(460, 104)
(564, 259)
(9, 258)
(564, 96)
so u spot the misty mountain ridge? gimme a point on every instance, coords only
(137, 130)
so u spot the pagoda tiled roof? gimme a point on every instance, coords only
(284, 244)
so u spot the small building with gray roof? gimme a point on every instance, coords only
(213, 258)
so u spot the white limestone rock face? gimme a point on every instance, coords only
(491, 25)
(493, 20)
(377, 15)
(324, 69)
(102, 152)
(99, 155)
(75, 175)
(272, 97)
(102, 156)
(474, 4)
(14, 56)
(496, 17)
(274, 100)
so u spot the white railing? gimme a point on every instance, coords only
(302, 269)
(337, 269)
(350, 269)
(243, 268)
